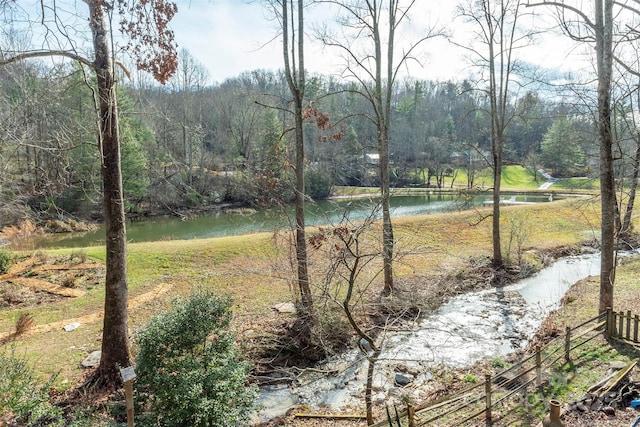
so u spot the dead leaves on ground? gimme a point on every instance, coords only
(47, 274)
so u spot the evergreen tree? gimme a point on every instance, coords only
(561, 151)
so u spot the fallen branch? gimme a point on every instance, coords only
(334, 416)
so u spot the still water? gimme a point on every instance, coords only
(229, 224)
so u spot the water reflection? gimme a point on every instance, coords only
(229, 224)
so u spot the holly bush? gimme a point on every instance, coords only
(188, 369)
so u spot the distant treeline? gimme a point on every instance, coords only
(190, 144)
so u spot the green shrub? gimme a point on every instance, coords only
(470, 378)
(192, 197)
(318, 184)
(497, 363)
(188, 371)
(23, 399)
(5, 261)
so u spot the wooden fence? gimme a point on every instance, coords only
(622, 326)
(500, 394)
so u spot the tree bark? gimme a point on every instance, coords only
(626, 222)
(498, 23)
(604, 55)
(495, 232)
(296, 81)
(499, 74)
(368, 395)
(383, 123)
(115, 342)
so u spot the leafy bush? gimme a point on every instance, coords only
(318, 184)
(5, 261)
(188, 371)
(22, 399)
(470, 378)
(497, 363)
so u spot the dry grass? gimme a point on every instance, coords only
(12, 232)
(256, 271)
(581, 302)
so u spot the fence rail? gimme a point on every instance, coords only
(493, 396)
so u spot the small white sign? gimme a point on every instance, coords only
(128, 374)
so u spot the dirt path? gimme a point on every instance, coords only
(43, 285)
(134, 303)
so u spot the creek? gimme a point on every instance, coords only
(488, 324)
(480, 325)
(246, 221)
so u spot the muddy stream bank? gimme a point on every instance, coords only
(483, 325)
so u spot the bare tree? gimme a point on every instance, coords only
(376, 66)
(293, 54)
(191, 77)
(631, 122)
(351, 253)
(498, 35)
(237, 116)
(604, 53)
(595, 26)
(290, 14)
(115, 342)
(626, 131)
(152, 44)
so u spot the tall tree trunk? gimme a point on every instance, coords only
(301, 241)
(496, 89)
(115, 343)
(497, 180)
(384, 121)
(387, 227)
(296, 81)
(604, 54)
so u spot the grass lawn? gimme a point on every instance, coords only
(514, 178)
(256, 271)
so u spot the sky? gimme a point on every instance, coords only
(229, 37)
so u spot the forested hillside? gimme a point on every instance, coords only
(189, 144)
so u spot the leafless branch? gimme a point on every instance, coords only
(45, 54)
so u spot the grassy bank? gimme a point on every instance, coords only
(256, 271)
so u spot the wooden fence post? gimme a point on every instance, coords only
(128, 375)
(487, 391)
(538, 367)
(567, 345)
(610, 323)
(636, 320)
(620, 330)
(411, 414)
(628, 334)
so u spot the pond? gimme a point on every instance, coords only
(237, 222)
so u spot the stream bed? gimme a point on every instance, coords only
(480, 325)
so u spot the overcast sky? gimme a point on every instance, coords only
(232, 36)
